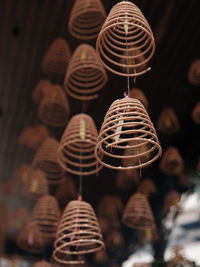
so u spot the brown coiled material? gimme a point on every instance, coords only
(196, 113)
(57, 57)
(168, 122)
(85, 75)
(30, 239)
(42, 263)
(36, 186)
(171, 162)
(78, 233)
(77, 145)
(127, 128)
(46, 214)
(138, 94)
(194, 72)
(137, 213)
(147, 187)
(127, 179)
(86, 19)
(115, 241)
(40, 90)
(46, 160)
(54, 108)
(124, 36)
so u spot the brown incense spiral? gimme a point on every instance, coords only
(77, 145)
(46, 160)
(126, 41)
(78, 232)
(196, 113)
(57, 57)
(54, 108)
(138, 94)
(194, 72)
(86, 19)
(137, 213)
(40, 90)
(168, 122)
(127, 128)
(46, 214)
(85, 75)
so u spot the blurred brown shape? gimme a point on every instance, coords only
(33, 136)
(57, 57)
(100, 257)
(138, 94)
(114, 241)
(171, 162)
(137, 213)
(46, 160)
(2, 242)
(21, 175)
(42, 263)
(171, 199)
(41, 89)
(86, 19)
(127, 179)
(141, 265)
(78, 233)
(85, 75)
(168, 122)
(194, 72)
(30, 238)
(77, 145)
(8, 187)
(196, 113)
(4, 216)
(148, 234)
(147, 187)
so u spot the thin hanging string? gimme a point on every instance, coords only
(128, 71)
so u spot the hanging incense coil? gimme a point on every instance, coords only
(46, 160)
(168, 122)
(194, 72)
(147, 187)
(171, 162)
(127, 128)
(138, 94)
(85, 75)
(30, 239)
(54, 108)
(41, 90)
(127, 179)
(137, 213)
(115, 241)
(196, 113)
(171, 199)
(36, 186)
(46, 214)
(124, 36)
(42, 263)
(57, 57)
(77, 145)
(78, 232)
(86, 19)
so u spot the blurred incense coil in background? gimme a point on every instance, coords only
(127, 179)
(196, 113)
(138, 94)
(115, 241)
(168, 122)
(147, 187)
(40, 90)
(171, 199)
(194, 72)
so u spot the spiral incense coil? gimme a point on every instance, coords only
(127, 128)
(41, 90)
(46, 160)
(36, 186)
(127, 180)
(85, 74)
(114, 241)
(147, 187)
(77, 145)
(196, 113)
(46, 215)
(138, 94)
(86, 19)
(78, 232)
(110, 207)
(168, 122)
(137, 213)
(42, 263)
(57, 57)
(30, 239)
(171, 162)
(171, 199)
(126, 41)
(194, 72)
(54, 108)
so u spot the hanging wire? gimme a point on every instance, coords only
(128, 71)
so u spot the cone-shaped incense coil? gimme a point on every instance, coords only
(40, 90)
(124, 36)
(114, 241)
(85, 75)
(196, 113)
(46, 160)
(194, 72)
(171, 162)
(46, 214)
(86, 19)
(76, 149)
(127, 180)
(137, 213)
(127, 127)
(42, 263)
(54, 108)
(36, 186)
(57, 57)
(168, 122)
(78, 232)
(30, 239)
(147, 187)
(138, 94)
